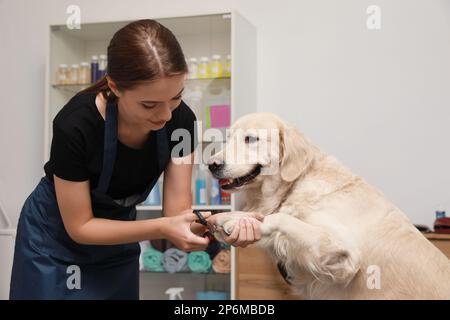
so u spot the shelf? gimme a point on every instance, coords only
(75, 88)
(186, 273)
(209, 79)
(70, 88)
(148, 208)
(153, 285)
(194, 207)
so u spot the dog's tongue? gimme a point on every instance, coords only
(224, 181)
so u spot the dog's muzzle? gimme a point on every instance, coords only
(227, 184)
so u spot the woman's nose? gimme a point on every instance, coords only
(166, 114)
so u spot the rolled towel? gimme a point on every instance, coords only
(152, 260)
(175, 260)
(221, 262)
(144, 246)
(199, 261)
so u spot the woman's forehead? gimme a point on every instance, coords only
(162, 89)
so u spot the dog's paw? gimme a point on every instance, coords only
(227, 221)
(229, 225)
(225, 229)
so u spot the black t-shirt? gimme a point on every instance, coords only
(77, 148)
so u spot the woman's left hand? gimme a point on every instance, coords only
(246, 229)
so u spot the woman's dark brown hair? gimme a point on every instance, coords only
(143, 50)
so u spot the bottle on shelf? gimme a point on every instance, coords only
(225, 197)
(228, 66)
(175, 293)
(62, 74)
(84, 75)
(102, 63)
(94, 69)
(73, 73)
(215, 197)
(203, 68)
(193, 68)
(440, 212)
(154, 198)
(216, 66)
(200, 185)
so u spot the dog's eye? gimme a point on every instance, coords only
(251, 139)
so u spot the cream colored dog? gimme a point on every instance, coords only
(338, 236)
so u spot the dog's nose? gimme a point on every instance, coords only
(214, 167)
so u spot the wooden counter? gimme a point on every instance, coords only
(441, 241)
(257, 276)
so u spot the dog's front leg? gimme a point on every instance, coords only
(331, 256)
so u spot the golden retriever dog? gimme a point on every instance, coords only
(337, 236)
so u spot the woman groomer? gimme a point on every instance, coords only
(77, 235)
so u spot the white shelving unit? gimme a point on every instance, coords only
(200, 35)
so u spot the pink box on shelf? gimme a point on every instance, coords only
(220, 116)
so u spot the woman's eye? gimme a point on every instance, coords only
(251, 139)
(177, 98)
(148, 106)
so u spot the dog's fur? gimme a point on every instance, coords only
(336, 234)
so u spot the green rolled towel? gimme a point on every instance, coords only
(152, 260)
(199, 261)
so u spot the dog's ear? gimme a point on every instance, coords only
(296, 153)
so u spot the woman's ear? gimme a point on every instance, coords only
(113, 87)
(296, 154)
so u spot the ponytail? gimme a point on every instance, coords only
(102, 87)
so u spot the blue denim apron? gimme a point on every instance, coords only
(48, 264)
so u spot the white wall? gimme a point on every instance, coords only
(375, 99)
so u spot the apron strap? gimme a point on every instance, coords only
(110, 147)
(163, 157)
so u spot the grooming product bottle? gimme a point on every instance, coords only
(225, 197)
(73, 74)
(102, 66)
(193, 68)
(228, 66)
(154, 198)
(440, 212)
(62, 74)
(94, 69)
(215, 197)
(216, 66)
(203, 68)
(84, 75)
(200, 185)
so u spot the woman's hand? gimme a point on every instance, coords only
(178, 230)
(246, 229)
